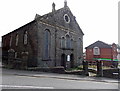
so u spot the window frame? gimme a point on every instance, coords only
(96, 50)
(67, 21)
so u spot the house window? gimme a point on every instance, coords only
(25, 37)
(47, 42)
(96, 51)
(68, 41)
(63, 42)
(16, 43)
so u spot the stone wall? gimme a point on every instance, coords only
(58, 27)
(30, 48)
(112, 73)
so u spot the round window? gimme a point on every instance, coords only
(66, 18)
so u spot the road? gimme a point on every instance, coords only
(17, 79)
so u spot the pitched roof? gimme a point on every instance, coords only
(51, 15)
(99, 44)
(45, 18)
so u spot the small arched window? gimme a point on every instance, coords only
(16, 42)
(25, 37)
(68, 41)
(63, 42)
(96, 51)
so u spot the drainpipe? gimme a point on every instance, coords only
(112, 56)
(55, 44)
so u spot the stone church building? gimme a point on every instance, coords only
(52, 40)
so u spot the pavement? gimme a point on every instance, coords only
(58, 76)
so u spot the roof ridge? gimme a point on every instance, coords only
(100, 44)
(104, 43)
(51, 12)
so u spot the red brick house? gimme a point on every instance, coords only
(102, 51)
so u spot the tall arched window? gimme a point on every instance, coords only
(63, 42)
(68, 41)
(10, 40)
(71, 44)
(15, 54)
(25, 37)
(80, 43)
(47, 42)
(16, 42)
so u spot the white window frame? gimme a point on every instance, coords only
(96, 51)
(66, 15)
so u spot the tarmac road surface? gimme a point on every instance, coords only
(15, 79)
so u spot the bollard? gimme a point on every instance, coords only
(99, 69)
(85, 68)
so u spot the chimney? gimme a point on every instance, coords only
(53, 7)
(65, 3)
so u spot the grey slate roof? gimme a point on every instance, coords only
(50, 17)
(99, 44)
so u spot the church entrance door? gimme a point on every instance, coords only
(63, 60)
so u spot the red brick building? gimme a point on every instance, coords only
(102, 51)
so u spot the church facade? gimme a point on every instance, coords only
(54, 39)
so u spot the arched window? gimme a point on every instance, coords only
(16, 42)
(71, 44)
(68, 41)
(25, 37)
(80, 43)
(11, 54)
(47, 42)
(15, 54)
(10, 40)
(63, 42)
(96, 51)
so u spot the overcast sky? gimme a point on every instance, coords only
(98, 19)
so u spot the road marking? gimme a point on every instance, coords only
(68, 78)
(33, 87)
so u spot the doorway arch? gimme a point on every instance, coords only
(63, 60)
